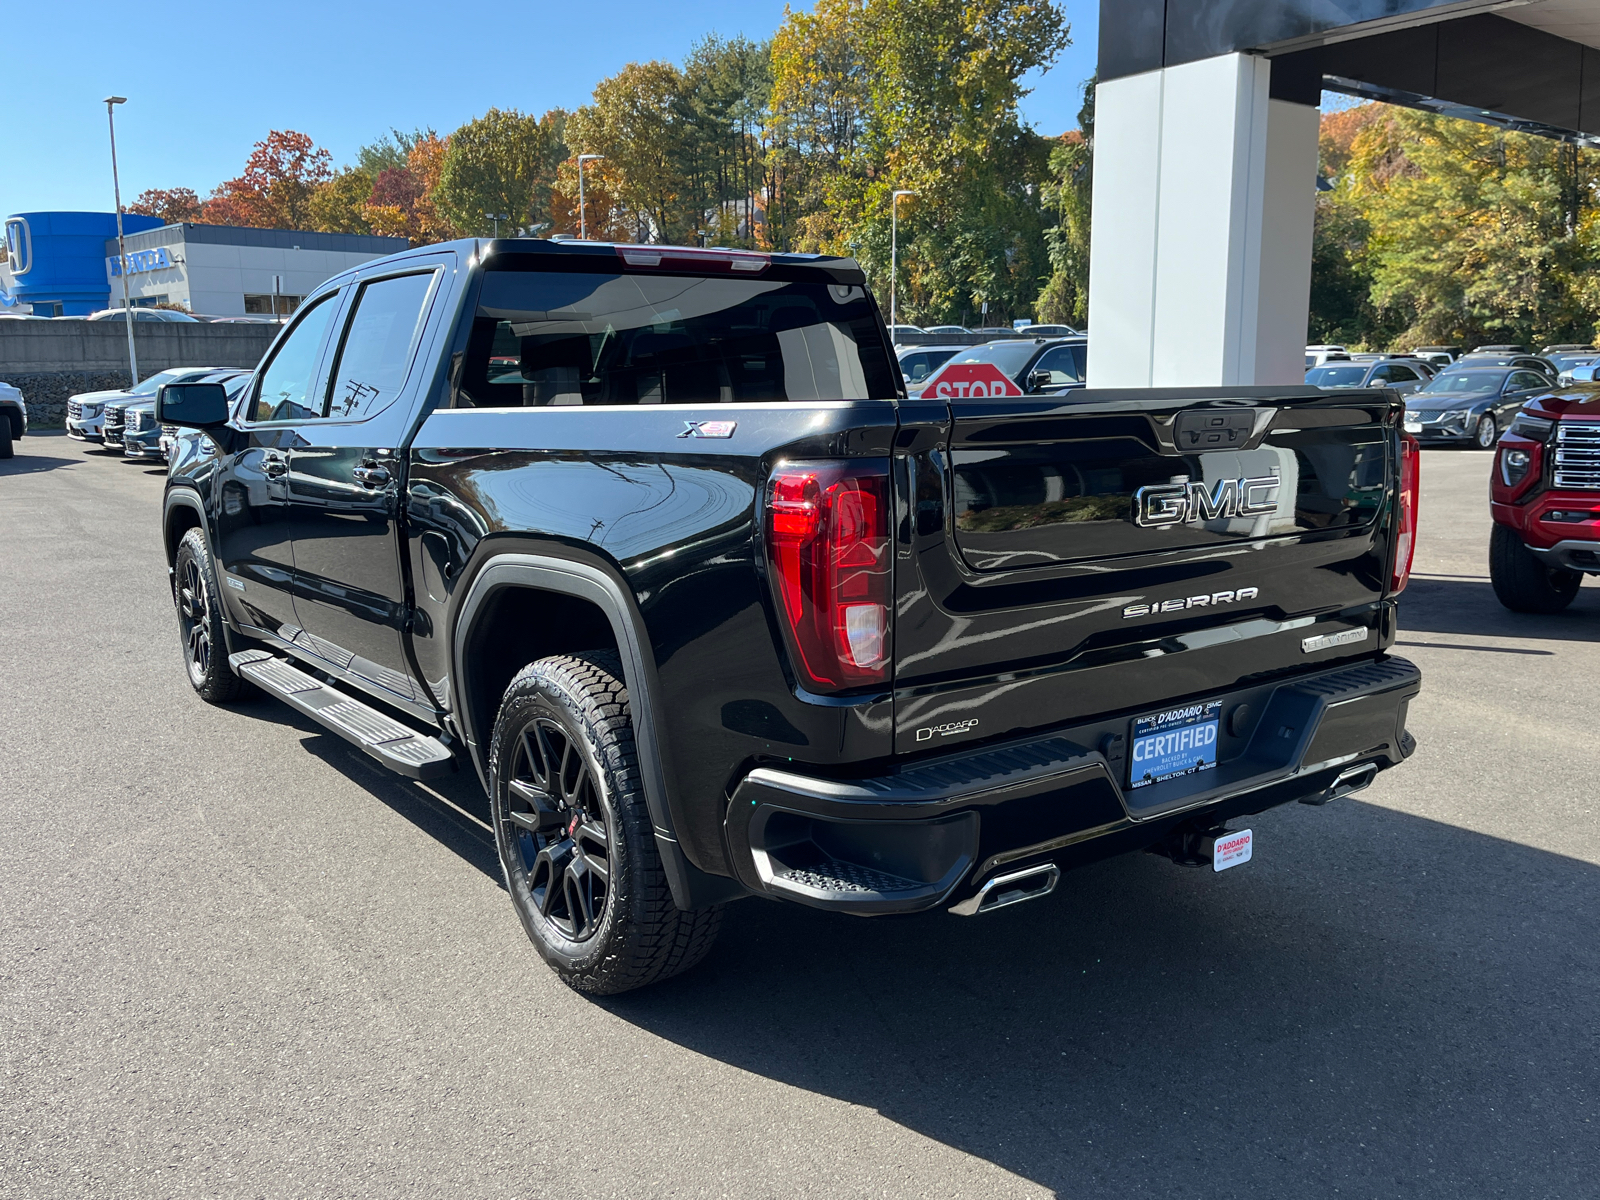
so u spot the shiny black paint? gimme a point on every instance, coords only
(1019, 646)
(675, 519)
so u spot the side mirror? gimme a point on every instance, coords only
(192, 405)
(1038, 380)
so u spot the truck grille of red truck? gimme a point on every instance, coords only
(1578, 456)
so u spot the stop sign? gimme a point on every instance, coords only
(955, 380)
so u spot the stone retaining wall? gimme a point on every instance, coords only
(52, 360)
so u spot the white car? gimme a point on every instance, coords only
(1317, 355)
(86, 412)
(13, 417)
(168, 315)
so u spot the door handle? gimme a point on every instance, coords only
(372, 477)
(274, 468)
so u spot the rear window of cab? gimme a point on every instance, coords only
(542, 339)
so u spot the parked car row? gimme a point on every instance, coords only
(125, 419)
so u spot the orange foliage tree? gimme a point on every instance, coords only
(275, 190)
(172, 205)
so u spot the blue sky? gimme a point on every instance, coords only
(206, 81)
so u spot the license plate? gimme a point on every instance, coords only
(1413, 426)
(1180, 741)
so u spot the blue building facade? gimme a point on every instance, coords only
(56, 261)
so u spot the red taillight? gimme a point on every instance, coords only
(1405, 542)
(828, 551)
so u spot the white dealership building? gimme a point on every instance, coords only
(228, 271)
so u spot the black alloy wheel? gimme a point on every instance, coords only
(194, 594)
(193, 601)
(1487, 432)
(573, 827)
(557, 821)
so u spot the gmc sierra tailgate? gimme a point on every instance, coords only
(1109, 552)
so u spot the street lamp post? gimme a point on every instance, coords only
(497, 218)
(894, 250)
(583, 214)
(122, 250)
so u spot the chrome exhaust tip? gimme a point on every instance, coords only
(1011, 888)
(1348, 782)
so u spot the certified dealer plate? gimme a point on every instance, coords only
(1179, 741)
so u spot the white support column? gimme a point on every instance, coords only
(1204, 197)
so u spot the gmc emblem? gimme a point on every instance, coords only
(1179, 503)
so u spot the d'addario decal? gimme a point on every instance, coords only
(709, 429)
(1184, 603)
(949, 729)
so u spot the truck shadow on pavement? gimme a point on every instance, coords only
(32, 464)
(453, 810)
(1378, 1004)
(1440, 606)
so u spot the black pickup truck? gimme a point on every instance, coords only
(653, 541)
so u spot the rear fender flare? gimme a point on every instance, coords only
(585, 582)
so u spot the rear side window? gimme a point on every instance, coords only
(560, 338)
(378, 344)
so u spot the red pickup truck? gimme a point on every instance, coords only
(1545, 499)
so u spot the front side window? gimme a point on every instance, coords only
(1527, 379)
(1062, 363)
(567, 338)
(378, 343)
(285, 391)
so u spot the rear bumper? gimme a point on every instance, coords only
(934, 831)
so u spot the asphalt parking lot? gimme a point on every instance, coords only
(238, 961)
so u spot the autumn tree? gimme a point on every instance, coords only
(402, 201)
(172, 205)
(502, 162)
(275, 190)
(873, 97)
(1068, 196)
(633, 122)
(340, 204)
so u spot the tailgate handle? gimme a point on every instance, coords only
(1201, 429)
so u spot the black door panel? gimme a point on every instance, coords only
(344, 484)
(254, 544)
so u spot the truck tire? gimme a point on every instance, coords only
(5, 435)
(205, 650)
(575, 837)
(1522, 582)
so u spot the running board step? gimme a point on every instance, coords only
(396, 746)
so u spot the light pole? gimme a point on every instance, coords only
(894, 249)
(497, 218)
(583, 215)
(122, 250)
